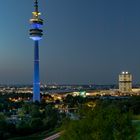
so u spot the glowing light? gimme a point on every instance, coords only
(36, 19)
(36, 13)
(36, 38)
(35, 25)
(123, 72)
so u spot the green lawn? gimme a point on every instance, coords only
(136, 123)
(136, 117)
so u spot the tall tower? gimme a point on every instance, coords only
(125, 82)
(36, 34)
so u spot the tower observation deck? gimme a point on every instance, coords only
(36, 34)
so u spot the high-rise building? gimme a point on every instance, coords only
(125, 82)
(36, 34)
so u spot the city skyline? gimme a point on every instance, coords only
(84, 42)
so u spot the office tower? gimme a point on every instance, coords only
(125, 82)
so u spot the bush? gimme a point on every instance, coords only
(101, 123)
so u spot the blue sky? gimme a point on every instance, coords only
(84, 42)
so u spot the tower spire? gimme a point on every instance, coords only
(36, 5)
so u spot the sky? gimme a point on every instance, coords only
(84, 42)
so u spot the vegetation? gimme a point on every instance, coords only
(106, 121)
(92, 118)
(30, 118)
(37, 136)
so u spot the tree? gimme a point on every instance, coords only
(51, 117)
(34, 112)
(36, 124)
(23, 127)
(3, 127)
(72, 101)
(101, 123)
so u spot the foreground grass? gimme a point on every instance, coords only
(37, 136)
(136, 117)
(136, 123)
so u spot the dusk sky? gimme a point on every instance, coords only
(84, 42)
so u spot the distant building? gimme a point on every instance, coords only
(125, 82)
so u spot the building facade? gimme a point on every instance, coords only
(125, 82)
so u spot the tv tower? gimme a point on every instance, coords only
(36, 34)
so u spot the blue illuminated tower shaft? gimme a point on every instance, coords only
(36, 84)
(36, 34)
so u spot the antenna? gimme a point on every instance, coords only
(36, 5)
